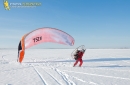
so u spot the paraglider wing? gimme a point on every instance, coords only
(42, 35)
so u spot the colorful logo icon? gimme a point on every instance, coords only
(6, 5)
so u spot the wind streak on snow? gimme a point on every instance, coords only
(40, 75)
(98, 75)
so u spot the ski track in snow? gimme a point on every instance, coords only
(63, 75)
(98, 75)
(112, 65)
(41, 77)
(109, 69)
(66, 77)
(53, 78)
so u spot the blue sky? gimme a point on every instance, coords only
(93, 23)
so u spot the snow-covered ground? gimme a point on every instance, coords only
(55, 67)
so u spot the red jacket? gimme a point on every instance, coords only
(80, 54)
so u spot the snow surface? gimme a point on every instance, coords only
(55, 67)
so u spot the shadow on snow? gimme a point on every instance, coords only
(106, 59)
(89, 60)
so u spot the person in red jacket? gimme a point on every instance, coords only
(78, 58)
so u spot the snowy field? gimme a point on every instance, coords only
(55, 67)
